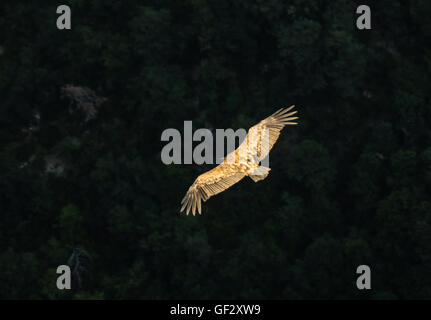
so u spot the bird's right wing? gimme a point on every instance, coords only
(210, 183)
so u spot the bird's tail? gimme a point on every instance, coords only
(259, 173)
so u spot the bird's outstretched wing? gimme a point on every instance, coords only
(259, 141)
(210, 183)
(261, 138)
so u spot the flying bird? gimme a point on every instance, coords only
(242, 162)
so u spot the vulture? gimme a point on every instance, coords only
(244, 161)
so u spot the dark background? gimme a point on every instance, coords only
(82, 182)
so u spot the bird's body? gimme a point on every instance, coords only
(242, 162)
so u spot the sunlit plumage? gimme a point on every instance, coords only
(244, 161)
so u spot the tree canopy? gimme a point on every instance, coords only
(82, 182)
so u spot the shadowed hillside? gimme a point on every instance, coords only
(82, 182)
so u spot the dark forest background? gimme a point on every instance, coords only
(82, 182)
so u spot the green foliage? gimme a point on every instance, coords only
(311, 165)
(69, 222)
(349, 185)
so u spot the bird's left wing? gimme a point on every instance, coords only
(261, 138)
(210, 183)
